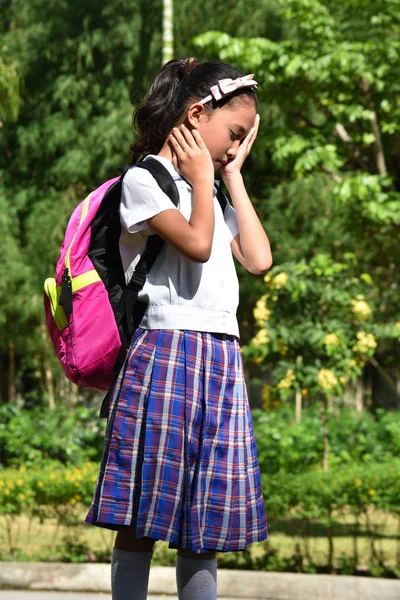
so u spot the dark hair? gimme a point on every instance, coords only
(179, 82)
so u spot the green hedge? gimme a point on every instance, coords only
(64, 434)
(73, 435)
(284, 445)
(313, 495)
(360, 491)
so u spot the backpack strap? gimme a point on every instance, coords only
(222, 199)
(132, 309)
(152, 249)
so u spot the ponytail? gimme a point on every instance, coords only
(179, 82)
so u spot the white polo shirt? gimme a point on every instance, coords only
(181, 293)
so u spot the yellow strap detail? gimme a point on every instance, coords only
(53, 293)
(84, 212)
(81, 281)
(85, 209)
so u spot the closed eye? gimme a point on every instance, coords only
(235, 136)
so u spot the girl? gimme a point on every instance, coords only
(179, 461)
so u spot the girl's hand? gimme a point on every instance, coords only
(192, 156)
(233, 167)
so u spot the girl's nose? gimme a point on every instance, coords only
(233, 150)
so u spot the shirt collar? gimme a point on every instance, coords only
(173, 172)
(166, 163)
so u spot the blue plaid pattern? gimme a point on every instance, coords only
(179, 460)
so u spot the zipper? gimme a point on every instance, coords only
(66, 293)
(66, 283)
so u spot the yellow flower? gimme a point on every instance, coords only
(22, 469)
(361, 308)
(343, 379)
(282, 348)
(7, 492)
(280, 280)
(258, 360)
(261, 337)
(261, 312)
(267, 278)
(274, 298)
(93, 478)
(266, 395)
(40, 484)
(304, 392)
(327, 379)
(72, 501)
(20, 482)
(397, 324)
(331, 339)
(78, 497)
(372, 492)
(357, 482)
(366, 341)
(286, 383)
(1, 483)
(352, 363)
(21, 497)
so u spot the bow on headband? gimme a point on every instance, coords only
(228, 86)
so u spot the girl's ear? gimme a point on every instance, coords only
(196, 114)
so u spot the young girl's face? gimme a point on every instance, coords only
(226, 128)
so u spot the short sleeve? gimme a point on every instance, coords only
(141, 199)
(231, 221)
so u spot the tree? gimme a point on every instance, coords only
(329, 102)
(316, 329)
(9, 90)
(168, 31)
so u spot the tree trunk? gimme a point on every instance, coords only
(323, 411)
(151, 22)
(73, 393)
(378, 145)
(331, 548)
(3, 394)
(168, 31)
(12, 393)
(356, 534)
(48, 374)
(298, 406)
(359, 396)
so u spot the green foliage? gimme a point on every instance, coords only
(316, 326)
(9, 90)
(322, 174)
(296, 448)
(58, 491)
(329, 104)
(64, 434)
(355, 488)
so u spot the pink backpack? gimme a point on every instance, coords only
(91, 312)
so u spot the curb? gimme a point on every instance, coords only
(232, 584)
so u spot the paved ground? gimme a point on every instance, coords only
(27, 595)
(20, 580)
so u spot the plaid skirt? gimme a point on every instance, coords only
(179, 460)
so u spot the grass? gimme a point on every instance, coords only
(24, 539)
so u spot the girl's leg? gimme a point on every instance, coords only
(196, 575)
(126, 540)
(130, 566)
